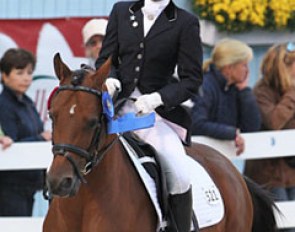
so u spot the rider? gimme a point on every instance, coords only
(146, 40)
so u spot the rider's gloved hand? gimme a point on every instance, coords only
(113, 85)
(147, 103)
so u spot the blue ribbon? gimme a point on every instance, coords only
(107, 105)
(127, 122)
(130, 122)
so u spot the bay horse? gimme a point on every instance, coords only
(114, 198)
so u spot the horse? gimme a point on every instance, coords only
(95, 185)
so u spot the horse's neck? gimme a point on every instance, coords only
(115, 169)
(114, 181)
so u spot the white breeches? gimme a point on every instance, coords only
(170, 153)
(170, 150)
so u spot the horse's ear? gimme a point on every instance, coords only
(103, 72)
(62, 71)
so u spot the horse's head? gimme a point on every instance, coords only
(78, 125)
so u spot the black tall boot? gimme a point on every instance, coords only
(181, 207)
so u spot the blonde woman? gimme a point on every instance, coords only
(275, 94)
(225, 105)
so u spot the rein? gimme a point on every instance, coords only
(92, 155)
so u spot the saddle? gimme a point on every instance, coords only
(208, 206)
(147, 156)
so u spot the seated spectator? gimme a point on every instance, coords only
(20, 121)
(275, 94)
(93, 34)
(225, 105)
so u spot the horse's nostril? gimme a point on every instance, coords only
(66, 183)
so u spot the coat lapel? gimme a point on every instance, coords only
(136, 18)
(164, 21)
(160, 25)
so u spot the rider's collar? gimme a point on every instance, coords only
(170, 10)
(155, 8)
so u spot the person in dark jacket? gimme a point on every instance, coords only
(225, 105)
(20, 121)
(147, 39)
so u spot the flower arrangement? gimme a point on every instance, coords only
(242, 15)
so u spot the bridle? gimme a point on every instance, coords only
(94, 154)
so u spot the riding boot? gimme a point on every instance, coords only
(181, 207)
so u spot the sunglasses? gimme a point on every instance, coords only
(290, 47)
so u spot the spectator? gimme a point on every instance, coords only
(20, 121)
(275, 94)
(93, 34)
(146, 40)
(225, 105)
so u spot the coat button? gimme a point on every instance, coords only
(139, 56)
(135, 80)
(141, 45)
(137, 69)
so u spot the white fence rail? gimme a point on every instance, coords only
(21, 224)
(258, 145)
(36, 155)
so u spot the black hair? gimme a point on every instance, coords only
(17, 58)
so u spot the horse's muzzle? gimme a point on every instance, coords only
(63, 187)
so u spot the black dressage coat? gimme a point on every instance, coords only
(148, 62)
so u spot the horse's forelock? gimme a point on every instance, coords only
(78, 77)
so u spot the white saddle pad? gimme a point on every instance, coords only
(207, 201)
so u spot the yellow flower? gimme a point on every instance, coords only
(236, 6)
(201, 2)
(248, 13)
(216, 8)
(232, 16)
(204, 14)
(282, 11)
(243, 17)
(219, 18)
